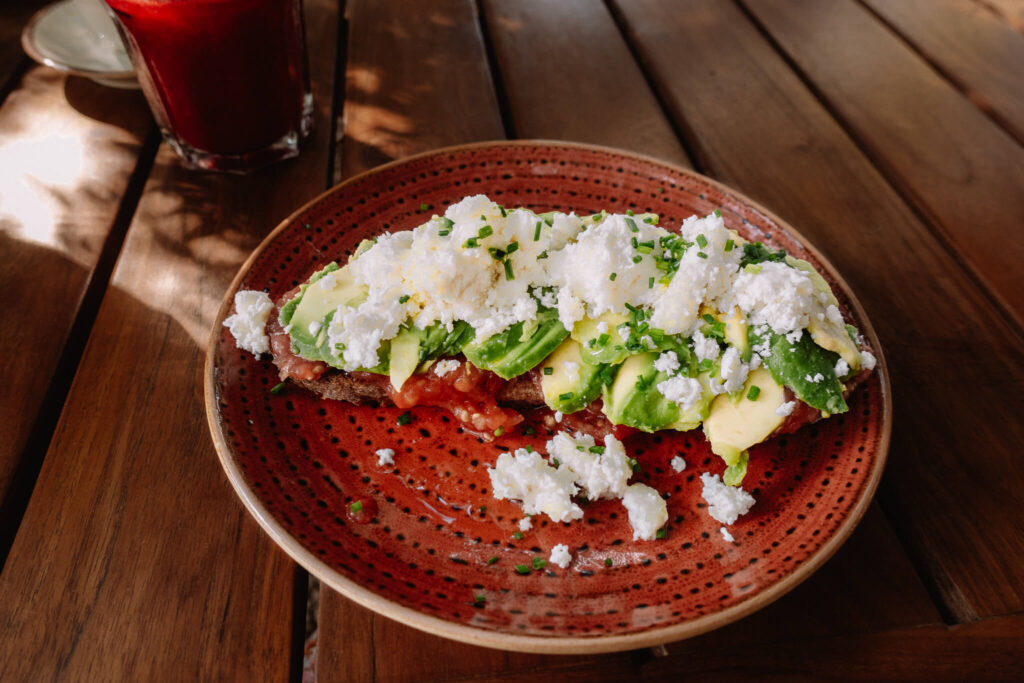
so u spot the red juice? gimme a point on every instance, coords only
(226, 79)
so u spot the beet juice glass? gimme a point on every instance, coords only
(226, 79)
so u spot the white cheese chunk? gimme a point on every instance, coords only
(600, 472)
(525, 476)
(647, 511)
(686, 392)
(678, 463)
(667, 362)
(786, 408)
(726, 535)
(560, 555)
(446, 366)
(725, 503)
(249, 322)
(385, 456)
(525, 524)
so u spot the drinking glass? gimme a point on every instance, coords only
(227, 80)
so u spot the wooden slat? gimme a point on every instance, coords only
(954, 467)
(64, 171)
(14, 15)
(1011, 11)
(977, 49)
(549, 53)
(959, 168)
(405, 95)
(135, 560)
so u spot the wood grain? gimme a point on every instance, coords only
(1010, 11)
(955, 363)
(135, 560)
(64, 171)
(548, 53)
(978, 50)
(13, 18)
(956, 166)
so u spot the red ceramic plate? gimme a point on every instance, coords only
(421, 549)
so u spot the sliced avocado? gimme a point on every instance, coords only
(405, 355)
(568, 382)
(692, 418)
(633, 398)
(798, 365)
(596, 348)
(734, 426)
(508, 355)
(826, 333)
(736, 333)
(314, 304)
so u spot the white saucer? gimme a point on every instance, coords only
(79, 37)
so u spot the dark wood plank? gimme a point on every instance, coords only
(65, 170)
(986, 650)
(14, 15)
(959, 168)
(975, 48)
(954, 470)
(549, 53)
(416, 79)
(1010, 11)
(135, 560)
(399, 103)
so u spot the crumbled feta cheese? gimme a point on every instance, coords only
(686, 392)
(249, 322)
(600, 472)
(725, 503)
(778, 295)
(734, 371)
(868, 360)
(647, 511)
(314, 327)
(705, 347)
(678, 463)
(602, 327)
(525, 524)
(795, 336)
(527, 477)
(443, 367)
(786, 408)
(327, 282)
(572, 371)
(726, 535)
(817, 377)
(667, 362)
(842, 368)
(560, 555)
(558, 416)
(385, 456)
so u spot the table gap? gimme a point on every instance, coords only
(504, 108)
(23, 481)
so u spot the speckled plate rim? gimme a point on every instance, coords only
(545, 644)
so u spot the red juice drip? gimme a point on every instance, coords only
(230, 74)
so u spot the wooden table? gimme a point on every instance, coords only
(888, 131)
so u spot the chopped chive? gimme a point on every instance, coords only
(402, 299)
(503, 212)
(613, 276)
(754, 392)
(661, 190)
(592, 342)
(539, 563)
(632, 225)
(496, 254)
(424, 207)
(633, 242)
(634, 465)
(277, 388)
(479, 599)
(729, 244)
(444, 232)
(650, 282)
(543, 254)
(529, 448)
(549, 220)
(509, 275)
(607, 561)
(662, 533)
(603, 339)
(718, 212)
(549, 370)
(471, 243)
(651, 220)
(405, 418)
(492, 560)
(523, 569)
(356, 506)
(499, 431)
(596, 449)
(702, 240)
(536, 232)
(556, 463)
(567, 396)
(512, 247)
(638, 258)
(629, 212)
(709, 319)
(485, 231)
(702, 254)
(517, 535)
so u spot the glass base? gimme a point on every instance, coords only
(286, 147)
